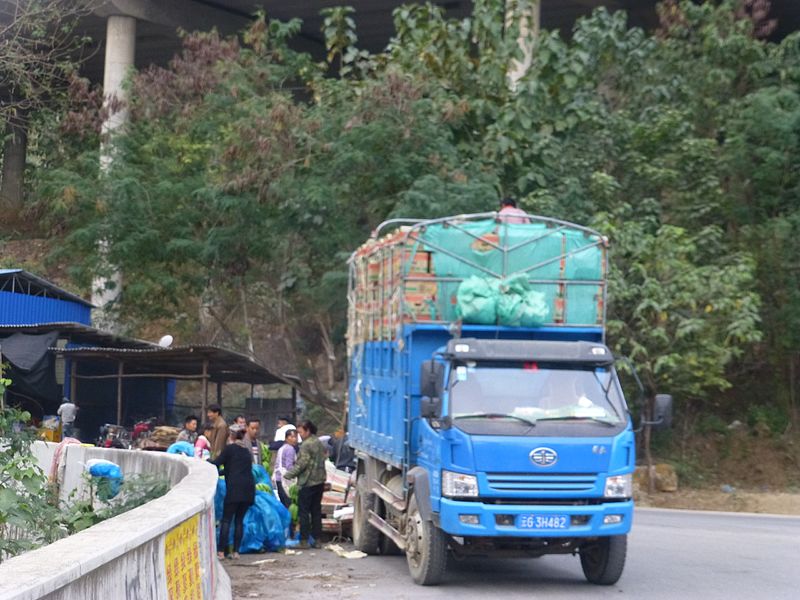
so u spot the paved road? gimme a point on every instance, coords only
(671, 554)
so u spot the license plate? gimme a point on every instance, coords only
(542, 522)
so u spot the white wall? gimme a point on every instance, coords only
(124, 557)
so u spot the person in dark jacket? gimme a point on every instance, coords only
(240, 490)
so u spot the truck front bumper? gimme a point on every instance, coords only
(500, 520)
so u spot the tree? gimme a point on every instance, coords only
(38, 54)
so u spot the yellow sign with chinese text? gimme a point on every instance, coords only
(182, 561)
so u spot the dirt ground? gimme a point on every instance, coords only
(778, 503)
(307, 573)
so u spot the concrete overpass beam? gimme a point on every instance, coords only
(185, 14)
(120, 51)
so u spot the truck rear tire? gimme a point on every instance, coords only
(426, 548)
(603, 560)
(365, 537)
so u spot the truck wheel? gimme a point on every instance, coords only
(365, 536)
(426, 548)
(604, 560)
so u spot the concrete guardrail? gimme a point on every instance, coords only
(162, 549)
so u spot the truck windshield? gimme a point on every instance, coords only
(524, 394)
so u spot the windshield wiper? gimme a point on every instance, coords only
(496, 416)
(575, 418)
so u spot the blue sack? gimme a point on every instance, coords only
(265, 522)
(184, 448)
(260, 475)
(109, 479)
(219, 498)
(264, 525)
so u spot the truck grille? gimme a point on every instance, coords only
(551, 482)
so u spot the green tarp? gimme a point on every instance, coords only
(549, 259)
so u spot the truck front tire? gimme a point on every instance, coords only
(365, 537)
(603, 560)
(426, 548)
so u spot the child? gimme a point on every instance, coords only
(202, 447)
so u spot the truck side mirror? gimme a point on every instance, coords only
(430, 379)
(662, 412)
(429, 407)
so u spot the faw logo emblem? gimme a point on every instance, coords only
(544, 457)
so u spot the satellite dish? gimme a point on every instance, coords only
(165, 341)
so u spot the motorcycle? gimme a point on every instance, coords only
(143, 429)
(114, 436)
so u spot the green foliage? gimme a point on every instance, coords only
(773, 418)
(26, 518)
(680, 310)
(711, 423)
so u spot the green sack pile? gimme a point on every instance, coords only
(509, 302)
(476, 300)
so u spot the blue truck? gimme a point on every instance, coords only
(483, 404)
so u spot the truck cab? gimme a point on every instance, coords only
(529, 448)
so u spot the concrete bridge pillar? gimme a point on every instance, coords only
(528, 16)
(120, 52)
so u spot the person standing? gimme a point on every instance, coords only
(68, 411)
(202, 446)
(240, 490)
(309, 470)
(251, 439)
(189, 431)
(219, 437)
(284, 425)
(240, 421)
(284, 461)
(509, 213)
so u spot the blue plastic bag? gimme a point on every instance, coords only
(219, 499)
(184, 448)
(109, 478)
(265, 522)
(260, 475)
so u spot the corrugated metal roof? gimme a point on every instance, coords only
(142, 357)
(77, 333)
(38, 286)
(223, 365)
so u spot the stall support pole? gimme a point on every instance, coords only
(119, 393)
(73, 380)
(3, 395)
(205, 385)
(164, 401)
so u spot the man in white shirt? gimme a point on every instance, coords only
(67, 411)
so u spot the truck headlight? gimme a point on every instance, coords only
(619, 486)
(458, 485)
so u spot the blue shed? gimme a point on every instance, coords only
(26, 299)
